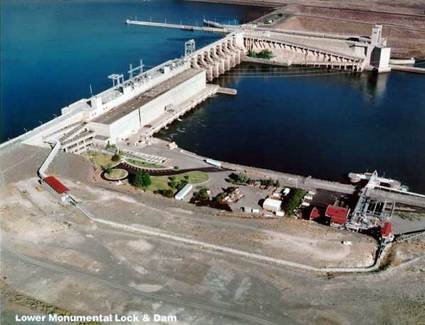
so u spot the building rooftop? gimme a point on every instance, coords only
(314, 214)
(56, 185)
(386, 229)
(142, 99)
(337, 214)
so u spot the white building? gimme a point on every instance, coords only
(378, 54)
(272, 205)
(126, 108)
(142, 110)
(183, 192)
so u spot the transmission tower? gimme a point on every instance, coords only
(189, 47)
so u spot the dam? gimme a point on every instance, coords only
(133, 109)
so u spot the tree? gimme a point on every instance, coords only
(107, 169)
(173, 182)
(294, 201)
(182, 184)
(116, 157)
(240, 178)
(201, 195)
(109, 146)
(141, 179)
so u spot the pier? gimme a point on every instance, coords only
(408, 69)
(177, 26)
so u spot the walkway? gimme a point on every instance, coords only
(168, 171)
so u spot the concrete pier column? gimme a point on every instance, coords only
(215, 69)
(238, 41)
(217, 61)
(210, 73)
(232, 50)
(194, 62)
(202, 61)
(238, 57)
(233, 59)
(225, 56)
(221, 59)
(207, 67)
(228, 62)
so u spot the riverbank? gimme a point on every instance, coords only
(403, 24)
(307, 121)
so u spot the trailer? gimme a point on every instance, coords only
(213, 162)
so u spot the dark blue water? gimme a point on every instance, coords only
(52, 51)
(324, 126)
(320, 124)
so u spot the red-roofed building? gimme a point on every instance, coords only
(314, 214)
(56, 186)
(386, 230)
(338, 215)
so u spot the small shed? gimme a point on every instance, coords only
(314, 214)
(272, 204)
(386, 230)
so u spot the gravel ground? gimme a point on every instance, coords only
(54, 254)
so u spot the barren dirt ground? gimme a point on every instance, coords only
(55, 256)
(405, 33)
(403, 20)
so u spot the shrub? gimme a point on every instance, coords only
(264, 54)
(107, 168)
(240, 178)
(201, 195)
(166, 193)
(267, 182)
(219, 197)
(172, 182)
(141, 179)
(116, 157)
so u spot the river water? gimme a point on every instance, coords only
(301, 121)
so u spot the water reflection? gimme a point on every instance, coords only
(313, 122)
(375, 86)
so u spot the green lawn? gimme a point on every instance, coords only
(161, 182)
(141, 163)
(99, 159)
(195, 177)
(158, 183)
(117, 173)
